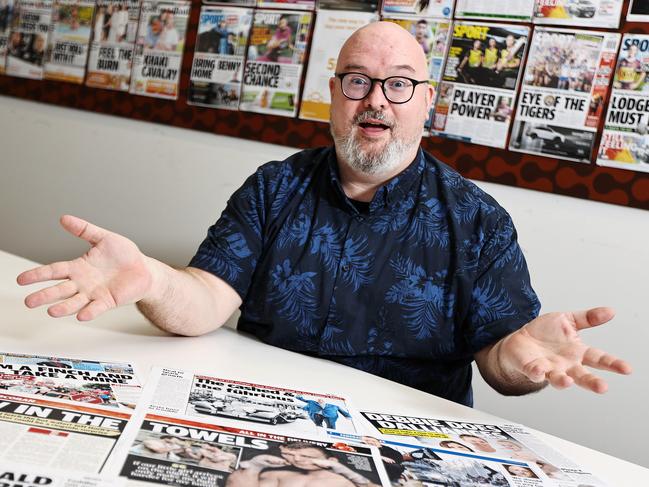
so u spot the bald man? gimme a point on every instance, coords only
(371, 253)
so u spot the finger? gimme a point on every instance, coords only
(536, 370)
(51, 294)
(599, 359)
(83, 229)
(593, 317)
(559, 380)
(50, 272)
(92, 310)
(587, 380)
(69, 306)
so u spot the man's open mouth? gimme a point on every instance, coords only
(374, 126)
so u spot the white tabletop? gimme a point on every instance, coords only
(123, 335)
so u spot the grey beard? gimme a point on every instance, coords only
(371, 163)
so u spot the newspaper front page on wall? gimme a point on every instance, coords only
(586, 13)
(625, 140)
(193, 429)
(638, 11)
(110, 60)
(271, 77)
(217, 68)
(564, 89)
(30, 26)
(423, 8)
(159, 48)
(289, 4)
(478, 89)
(512, 10)
(6, 13)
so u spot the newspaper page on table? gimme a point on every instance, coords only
(217, 68)
(586, 13)
(159, 48)
(638, 11)
(433, 36)
(273, 69)
(625, 139)
(30, 25)
(289, 4)
(192, 429)
(478, 89)
(67, 47)
(423, 8)
(112, 47)
(6, 12)
(512, 10)
(332, 29)
(564, 89)
(105, 384)
(508, 444)
(14, 475)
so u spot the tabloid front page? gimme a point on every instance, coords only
(586, 13)
(6, 12)
(352, 5)
(12, 475)
(638, 11)
(424, 8)
(159, 48)
(512, 10)
(217, 68)
(271, 77)
(564, 89)
(113, 44)
(625, 140)
(478, 89)
(30, 25)
(193, 429)
(290, 4)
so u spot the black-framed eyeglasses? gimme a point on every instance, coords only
(397, 89)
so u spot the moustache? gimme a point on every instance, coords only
(374, 115)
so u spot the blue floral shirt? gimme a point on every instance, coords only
(409, 289)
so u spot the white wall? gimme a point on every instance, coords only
(163, 186)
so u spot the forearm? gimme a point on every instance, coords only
(186, 301)
(499, 375)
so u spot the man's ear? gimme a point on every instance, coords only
(332, 84)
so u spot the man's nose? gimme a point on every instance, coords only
(375, 98)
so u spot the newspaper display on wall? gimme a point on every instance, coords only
(67, 47)
(159, 48)
(525, 460)
(273, 69)
(564, 88)
(479, 84)
(105, 384)
(332, 29)
(289, 4)
(586, 13)
(351, 5)
(512, 10)
(625, 139)
(423, 8)
(638, 11)
(217, 68)
(113, 44)
(432, 35)
(49, 433)
(12, 475)
(30, 25)
(233, 3)
(6, 13)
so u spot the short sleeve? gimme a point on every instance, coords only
(502, 298)
(233, 244)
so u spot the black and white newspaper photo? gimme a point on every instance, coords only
(511, 11)
(30, 25)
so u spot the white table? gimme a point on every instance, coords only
(123, 335)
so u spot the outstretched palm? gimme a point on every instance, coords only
(113, 272)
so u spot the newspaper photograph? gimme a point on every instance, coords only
(173, 451)
(512, 10)
(105, 384)
(30, 25)
(6, 12)
(564, 89)
(352, 5)
(433, 36)
(625, 139)
(217, 68)
(423, 8)
(332, 29)
(67, 47)
(159, 48)
(12, 475)
(479, 84)
(586, 13)
(51, 434)
(638, 11)
(273, 69)
(110, 59)
(288, 4)
(508, 445)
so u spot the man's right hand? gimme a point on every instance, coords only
(113, 272)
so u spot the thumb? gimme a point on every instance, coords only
(83, 229)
